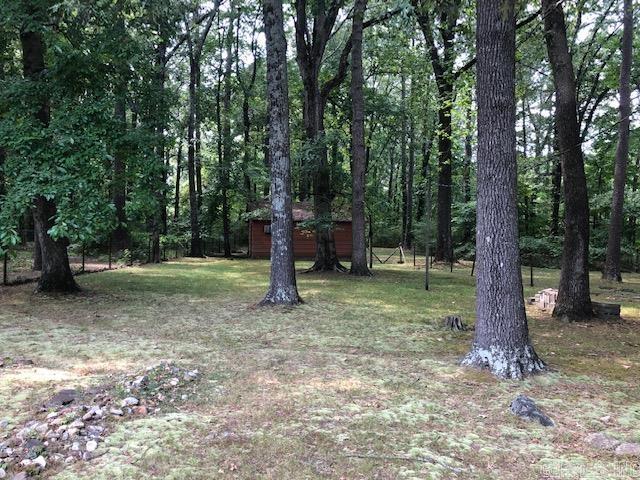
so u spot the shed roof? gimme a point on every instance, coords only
(302, 211)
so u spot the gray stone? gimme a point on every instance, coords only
(628, 450)
(116, 411)
(601, 441)
(63, 397)
(3, 474)
(91, 445)
(526, 408)
(20, 476)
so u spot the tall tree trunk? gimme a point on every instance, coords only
(391, 191)
(403, 158)
(227, 141)
(612, 264)
(195, 249)
(408, 241)
(501, 342)
(444, 241)
(466, 181)
(198, 136)
(310, 48)
(56, 273)
(574, 300)
(120, 235)
(424, 168)
(358, 154)
(159, 218)
(282, 285)
(445, 76)
(176, 198)
(634, 188)
(556, 190)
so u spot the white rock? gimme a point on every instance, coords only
(91, 445)
(69, 459)
(76, 446)
(2, 473)
(116, 411)
(77, 424)
(130, 401)
(40, 461)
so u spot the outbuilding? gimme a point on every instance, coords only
(304, 240)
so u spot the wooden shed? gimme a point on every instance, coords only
(304, 241)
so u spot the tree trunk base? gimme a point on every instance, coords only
(360, 271)
(57, 284)
(574, 313)
(281, 296)
(505, 363)
(612, 276)
(331, 267)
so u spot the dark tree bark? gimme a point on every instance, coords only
(403, 159)
(176, 198)
(408, 240)
(310, 48)
(574, 300)
(501, 342)
(227, 141)
(247, 91)
(443, 67)
(120, 235)
(556, 193)
(612, 264)
(358, 153)
(466, 183)
(282, 286)
(56, 274)
(194, 167)
(195, 249)
(424, 168)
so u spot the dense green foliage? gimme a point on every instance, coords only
(103, 52)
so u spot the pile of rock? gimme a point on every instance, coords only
(71, 425)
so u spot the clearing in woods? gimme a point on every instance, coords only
(359, 382)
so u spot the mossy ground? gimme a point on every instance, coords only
(359, 382)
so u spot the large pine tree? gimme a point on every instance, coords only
(501, 342)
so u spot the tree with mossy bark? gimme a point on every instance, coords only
(282, 286)
(501, 342)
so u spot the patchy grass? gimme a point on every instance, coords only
(359, 382)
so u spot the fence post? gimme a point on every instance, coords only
(83, 254)
(110, 248)
(531, 271)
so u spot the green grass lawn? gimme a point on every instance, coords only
(360, 382)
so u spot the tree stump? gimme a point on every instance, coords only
(454, 323)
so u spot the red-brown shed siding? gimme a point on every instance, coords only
(304, 241)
